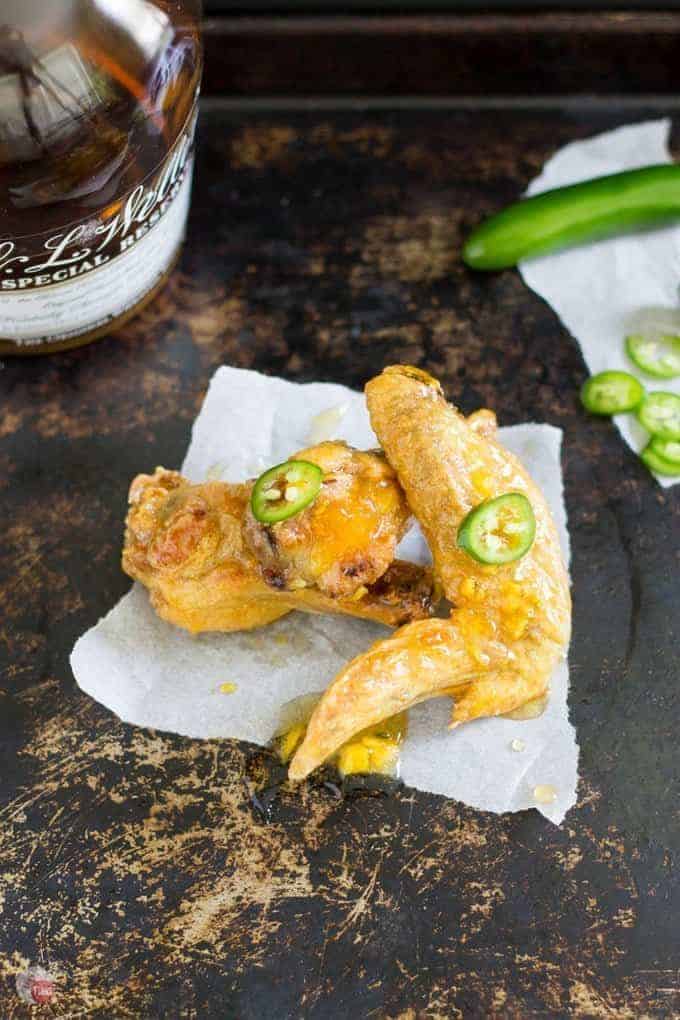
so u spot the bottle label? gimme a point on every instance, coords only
(98, 269)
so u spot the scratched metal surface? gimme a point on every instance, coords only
(323, 246)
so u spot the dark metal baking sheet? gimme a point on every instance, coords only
(323, 245)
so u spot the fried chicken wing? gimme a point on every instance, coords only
(186, 543)
(347, 537)
(510, 624)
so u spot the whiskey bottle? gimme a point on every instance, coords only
(97, 113)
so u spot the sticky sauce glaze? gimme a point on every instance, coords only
(374, 750)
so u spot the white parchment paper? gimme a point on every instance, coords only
(152, 674)
(605, 290)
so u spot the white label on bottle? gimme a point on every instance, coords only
(97, 270)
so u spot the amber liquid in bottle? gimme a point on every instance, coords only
(97, 109)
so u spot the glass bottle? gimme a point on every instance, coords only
(97, 113)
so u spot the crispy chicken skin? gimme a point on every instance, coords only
(510, 624)
(347, 537)
(186, 544)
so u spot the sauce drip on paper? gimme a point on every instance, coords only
(373, 750)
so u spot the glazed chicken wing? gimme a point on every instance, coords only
(510, 624)
(347, 537)
(187, 544)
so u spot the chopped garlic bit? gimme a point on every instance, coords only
(324, 425)
(545, 793)
(517, 744)
(227, 688)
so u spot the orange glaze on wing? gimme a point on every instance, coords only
(347, 537)
(186, 544)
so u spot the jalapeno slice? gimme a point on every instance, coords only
(658, 464)
(499, 530)
(667, 449)
(611, 393)
(285, 490)
(659, 413)
(655, 356)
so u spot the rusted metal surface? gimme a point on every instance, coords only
(535, 53)
(324, 246)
